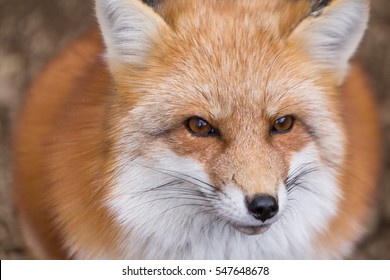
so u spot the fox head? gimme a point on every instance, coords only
(226, 126)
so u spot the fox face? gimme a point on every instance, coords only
(226, 135)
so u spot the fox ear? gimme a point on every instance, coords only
(130, 29)
(333, 31)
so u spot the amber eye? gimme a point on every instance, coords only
(283, 124)
(200, 127)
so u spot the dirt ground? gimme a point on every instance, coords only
(33, 31)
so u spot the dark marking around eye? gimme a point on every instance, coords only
(200, 127)
(283, 125)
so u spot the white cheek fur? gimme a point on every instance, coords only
(167, 215)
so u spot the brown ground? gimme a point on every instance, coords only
(33, 31)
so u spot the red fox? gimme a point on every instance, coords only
(201, 130)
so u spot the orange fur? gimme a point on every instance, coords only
(58, 93)
(65, 139)
(360, 173)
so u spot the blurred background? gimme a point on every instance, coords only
(33, 31)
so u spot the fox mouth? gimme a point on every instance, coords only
(252, 230)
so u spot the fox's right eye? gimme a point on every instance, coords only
(199, 127)
(283, 125)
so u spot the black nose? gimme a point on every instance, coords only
(263, 207)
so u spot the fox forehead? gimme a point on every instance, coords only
(226, 59)
(259, 83)
(278, 17)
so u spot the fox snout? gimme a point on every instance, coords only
(262, 206)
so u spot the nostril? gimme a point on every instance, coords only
(263, 207)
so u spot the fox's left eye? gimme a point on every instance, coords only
(199, 127)
(283, 125)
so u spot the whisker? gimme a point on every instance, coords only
(165, 185)
(207, 226)
(169, 173)
(182, 205)
(296, 180)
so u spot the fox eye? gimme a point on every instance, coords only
(283, 125)
(199, 127)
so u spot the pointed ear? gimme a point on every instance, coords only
(333, 31)
(130, 30)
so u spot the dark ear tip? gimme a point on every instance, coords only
(152, 3)
(318, 5)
